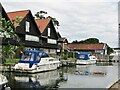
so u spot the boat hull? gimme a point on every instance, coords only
(3, 83)
(36, 68)
(85, 62)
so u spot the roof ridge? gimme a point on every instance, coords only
(86, 43)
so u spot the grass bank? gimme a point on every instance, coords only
(11, 61)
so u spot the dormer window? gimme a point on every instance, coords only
(27, 26)
(48, 31)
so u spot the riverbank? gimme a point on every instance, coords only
(115, 86)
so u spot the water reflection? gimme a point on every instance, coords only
(45, 80)
(104, 64)
(79, 76)
(91, 76)
(88, 70)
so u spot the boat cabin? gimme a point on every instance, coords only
(83, 56)
(32, 57)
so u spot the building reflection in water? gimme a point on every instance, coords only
(90, 70)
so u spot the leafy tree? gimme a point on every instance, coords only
(7, 31)
(87, 41)
(16, 21)
(55, 21)
(40, 14)
(75, 41)
(109, 50)
(8, 51)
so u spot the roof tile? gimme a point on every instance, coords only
(13, 15)
(85, 46)
(42, 24)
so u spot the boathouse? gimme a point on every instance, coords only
(48, 34)
(26, 28)
(34, 33)
(94, 48)
(37, 34)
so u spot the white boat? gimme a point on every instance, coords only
(85, 58)
(115, 55)
(3, 83)
(33, 61)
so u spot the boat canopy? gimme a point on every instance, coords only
(83, 56)
(32, 56)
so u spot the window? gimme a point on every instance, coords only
(48, 31)
(31, 38)
(32, 57)
(82, 56)
(27, 26)
(52, 41)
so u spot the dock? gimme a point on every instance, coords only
(67, 62)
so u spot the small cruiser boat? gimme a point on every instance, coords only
(33, 61)
(85, 58)
(3, 83)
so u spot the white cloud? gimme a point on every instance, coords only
(79, 20)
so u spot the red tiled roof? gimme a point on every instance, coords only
(42, 23)
(13, 15)
(85, 46)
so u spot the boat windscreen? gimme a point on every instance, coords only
(26, 56)
(43, 55)
(82, 57)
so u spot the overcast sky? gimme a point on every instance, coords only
(79, 19)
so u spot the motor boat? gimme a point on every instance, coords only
(33, 61)
(85, 58)
(3, 83)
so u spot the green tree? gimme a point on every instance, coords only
(9, 50)
(109, 50)
(87, 41)
(7, 31)
(40, 14)
(55, 21)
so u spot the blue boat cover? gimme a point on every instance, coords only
(36, 53)
(83, 56)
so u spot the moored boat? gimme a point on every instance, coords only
(3, 83)
(85, 58)
(33, 61)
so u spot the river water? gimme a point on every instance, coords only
(101, 75)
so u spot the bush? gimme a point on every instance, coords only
(11, 60)
(65, 57)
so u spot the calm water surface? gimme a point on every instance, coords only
(101, 75)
